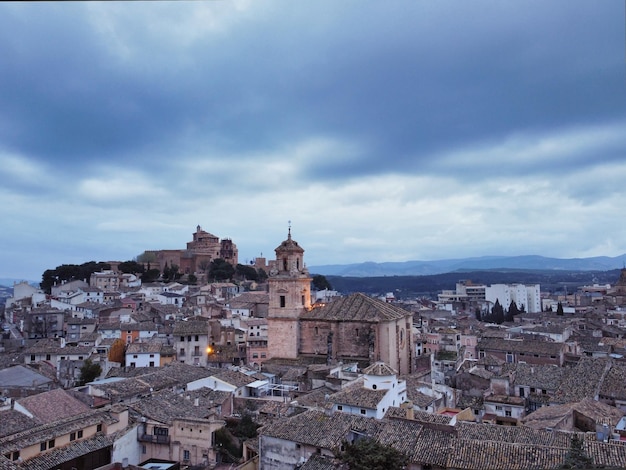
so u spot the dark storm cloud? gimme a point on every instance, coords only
(408, 80)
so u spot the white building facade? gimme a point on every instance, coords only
(526, 296)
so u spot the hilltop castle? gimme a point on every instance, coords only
(204, 248)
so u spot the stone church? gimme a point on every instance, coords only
(355, 328)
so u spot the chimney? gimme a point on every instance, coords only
(408, 406)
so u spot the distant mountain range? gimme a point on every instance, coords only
(425, 268)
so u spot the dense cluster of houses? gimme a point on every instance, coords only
(316, 371)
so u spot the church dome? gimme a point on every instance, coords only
(289, 245)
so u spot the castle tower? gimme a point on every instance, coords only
(290, 295)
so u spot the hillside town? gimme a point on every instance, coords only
(112, 372)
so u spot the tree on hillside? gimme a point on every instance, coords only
(221, 270)
(511, 312)
(369, 454)
(170, 273)
(246, 428)
(320, 282)
(85, 270)
(70, 272)
(131, 267)
(228, 445)
(89, 372)
(478, 314)
(151, 275)
(147, 257)
(245, 272)
(117, 351)
(497, 313)
(559, 309)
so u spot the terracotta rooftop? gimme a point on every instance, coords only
(233, 377)
(494, 455)
(380, 369)
(357, 307)
(12, 422)
(139, 326)
(505, 399)
(171, 375)
(482, 373)
(573, 389)
(357, 395)
(466, 446)
(552, 416)
(53, 405)
(526, 346)
(144, 347)
(318, 429)
(547, 377)
(191, 327)
(511, 434)
(208, 396)
(468, 401)
(432, 447)
(166, 406)
(316, 398)
(47, 431)
(489, 361)
(423, 417)
(614, 383)
(57, 457)
(318, 462)
(47, 346)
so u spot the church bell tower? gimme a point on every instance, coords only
(290, 295)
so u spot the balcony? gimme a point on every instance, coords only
(152, 438)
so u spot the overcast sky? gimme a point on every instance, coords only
(384, 130)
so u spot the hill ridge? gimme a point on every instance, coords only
(421, 268)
